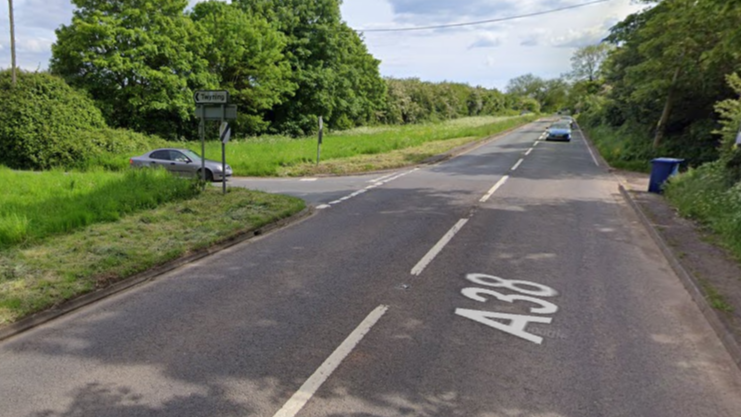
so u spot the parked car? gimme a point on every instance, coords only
(559, 131)
(182, 162)
(568, 119)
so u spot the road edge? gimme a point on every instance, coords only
(149, 275)
(725, 335)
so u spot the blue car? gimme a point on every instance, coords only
(559, 131)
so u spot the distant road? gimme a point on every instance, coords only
(509, 281)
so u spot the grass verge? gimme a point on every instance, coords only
(705, 194)
(36, 277)
(35, 205)
(282, 155)
(620, 148)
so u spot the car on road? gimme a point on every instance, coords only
(568, 119)
(183, 162)
(559, 131)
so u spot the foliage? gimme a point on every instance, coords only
(730, 115)
(548, 95)
(34, 206)
(246, 54)
(44, 122)
(704, 194)
(335, 75)
(413, 101)
(587, 60)
(140, 60)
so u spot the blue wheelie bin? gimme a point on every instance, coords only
(661, 170)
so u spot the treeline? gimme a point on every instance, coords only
(661, 83)
(284, 62)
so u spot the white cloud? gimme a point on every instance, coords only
(487, 40)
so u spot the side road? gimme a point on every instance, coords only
(709, 273)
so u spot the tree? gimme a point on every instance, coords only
(527, 85)
(586, 61)
(140, 60)
(246, 54)
(12, 41)
(335, 75)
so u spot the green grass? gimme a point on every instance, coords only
(35, 205)
(281, 155)
(621, 149)
(36, 277)
(717, 301)
(705, 194)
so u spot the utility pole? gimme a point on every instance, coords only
(12, 41)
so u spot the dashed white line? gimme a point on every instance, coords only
(309, 388)
(379, 182)
(381, 178)
(307, 179)
(494, 189)
(517, 165)
(437, 248)
(529, 151)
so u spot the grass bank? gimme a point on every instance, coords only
(620, 148)
(35, 205)
(360, 148)
(706, 195)
(36, 277)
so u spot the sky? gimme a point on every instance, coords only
(487, 55)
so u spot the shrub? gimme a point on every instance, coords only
(45, 123)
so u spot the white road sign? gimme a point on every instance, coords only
(211, 97)
(225, 132)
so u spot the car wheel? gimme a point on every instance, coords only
(209, 175)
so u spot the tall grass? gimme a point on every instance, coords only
(34, 205)
(266, 155)
(621, 148)
(705, 194)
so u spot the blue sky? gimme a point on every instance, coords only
(487, 55)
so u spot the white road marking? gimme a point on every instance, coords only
(323, 206)
(529, 151)
(494, 189)
(536, 143)
(309, 388)
(308, 179)
(517, 165)
(381, 178)
(437, 248)
(378, 182)
(589, 148)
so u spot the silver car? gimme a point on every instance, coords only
(181, 162)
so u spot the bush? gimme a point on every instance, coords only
(706, 195)
(45, 123)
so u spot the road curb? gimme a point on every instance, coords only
(726, 337)
(146, 276)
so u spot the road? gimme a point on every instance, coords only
(508, 281)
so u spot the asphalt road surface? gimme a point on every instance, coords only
(509, 281)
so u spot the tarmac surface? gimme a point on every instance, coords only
(512, 280)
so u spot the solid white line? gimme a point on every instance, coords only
(494, 189)
(309, 388)
(529, 151)
(335, 202)
(517, 165)
(589, 148)
(437, 248)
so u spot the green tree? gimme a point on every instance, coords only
(586, 61)
(335, 75)
(140, 60)
(246, 54)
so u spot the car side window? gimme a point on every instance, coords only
(163, 155)
(178, 156)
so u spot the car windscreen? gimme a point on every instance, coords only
(561, 126)
(190, 154)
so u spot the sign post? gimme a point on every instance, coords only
(214, 105)
(319, 142)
